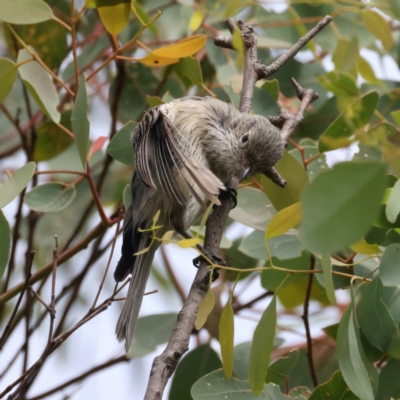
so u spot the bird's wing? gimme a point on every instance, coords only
(162, 155)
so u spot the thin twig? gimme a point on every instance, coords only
(307, 324)
(53, 288)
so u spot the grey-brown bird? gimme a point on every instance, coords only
(186, 152)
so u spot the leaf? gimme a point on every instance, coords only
(120, 146)
(104, 3)
(80, 121)
(389, 268)
(349, 358)
(25, 11)
(184, 48)
(339, 83)
(345, 55)
(51, 140)
(327, 272)
(97, 145)
(233, 96)
(279, 371)
(216, 387)
(366, 71)
(349, 122)
(296, 181)
(151, 331)
(5, 243)
(16, 183)
(378, 26)
(198, 362)
(340, 205)
(335, 388)
(396, 116)
(226, 337)
(126, 196)
(374, 317)
(50, 197)
(186, 243)
(393, 203)
(190, 67)
(40, 85)
(272, 88)
(8, 73)
(206, 306)
(283, 221)
(115, 18)
(154, 101)
(365, 248)
(253, 209)
(195, 20)
(153, 60)
(389, 382)
(261, 348)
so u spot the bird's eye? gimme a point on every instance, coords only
(245, 138)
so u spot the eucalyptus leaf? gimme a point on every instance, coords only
(4, 242)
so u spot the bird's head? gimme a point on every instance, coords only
(261, 144)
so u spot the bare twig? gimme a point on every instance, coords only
(53, 289)
(25, 285)
(307, 324)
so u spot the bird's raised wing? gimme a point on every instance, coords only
(162, 155)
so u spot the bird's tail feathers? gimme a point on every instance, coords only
(140, 274)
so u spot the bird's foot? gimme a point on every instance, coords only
(213, 258)
(232, 194)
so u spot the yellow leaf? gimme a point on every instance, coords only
(283, 221)
(195, 20)
(185, 243)
(378, 26)
(142, 251)
(365, 248)
(156, 217)
(167, 236)
(115, 18)
(206, 306)
(153, 60)
(366, 70)
(184, 48)
(238, 45)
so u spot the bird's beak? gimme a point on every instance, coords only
(243, 172)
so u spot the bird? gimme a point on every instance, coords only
(186, 152)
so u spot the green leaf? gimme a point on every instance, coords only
(25, 11)
(198, 362)
(272, 88)
(296, 181)
(261, 348)
(389, 268)
(50, 197)
(264, 104)
(279, 371)
(253, 209)
(126, 197)
(120, 146)
(5, 243)
(335, 388)
(340, 205)
(226, 336)
(349, 122)
(16, 183)
(378, 26)
(51, 140)
(327, 272)
(349, 357)
(40, 84)
(366, 71)
(151, 331)
(216, 387)
(345, 55)
(8, 73)
(80, 121)
(190, 67)
(283, 221)
(154, 101)
(396, 116)
(205, 308)
(374, 317)
(389, 382)
(393, 203)
(339, 83)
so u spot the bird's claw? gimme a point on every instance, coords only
(232, 193)
(214, 259)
